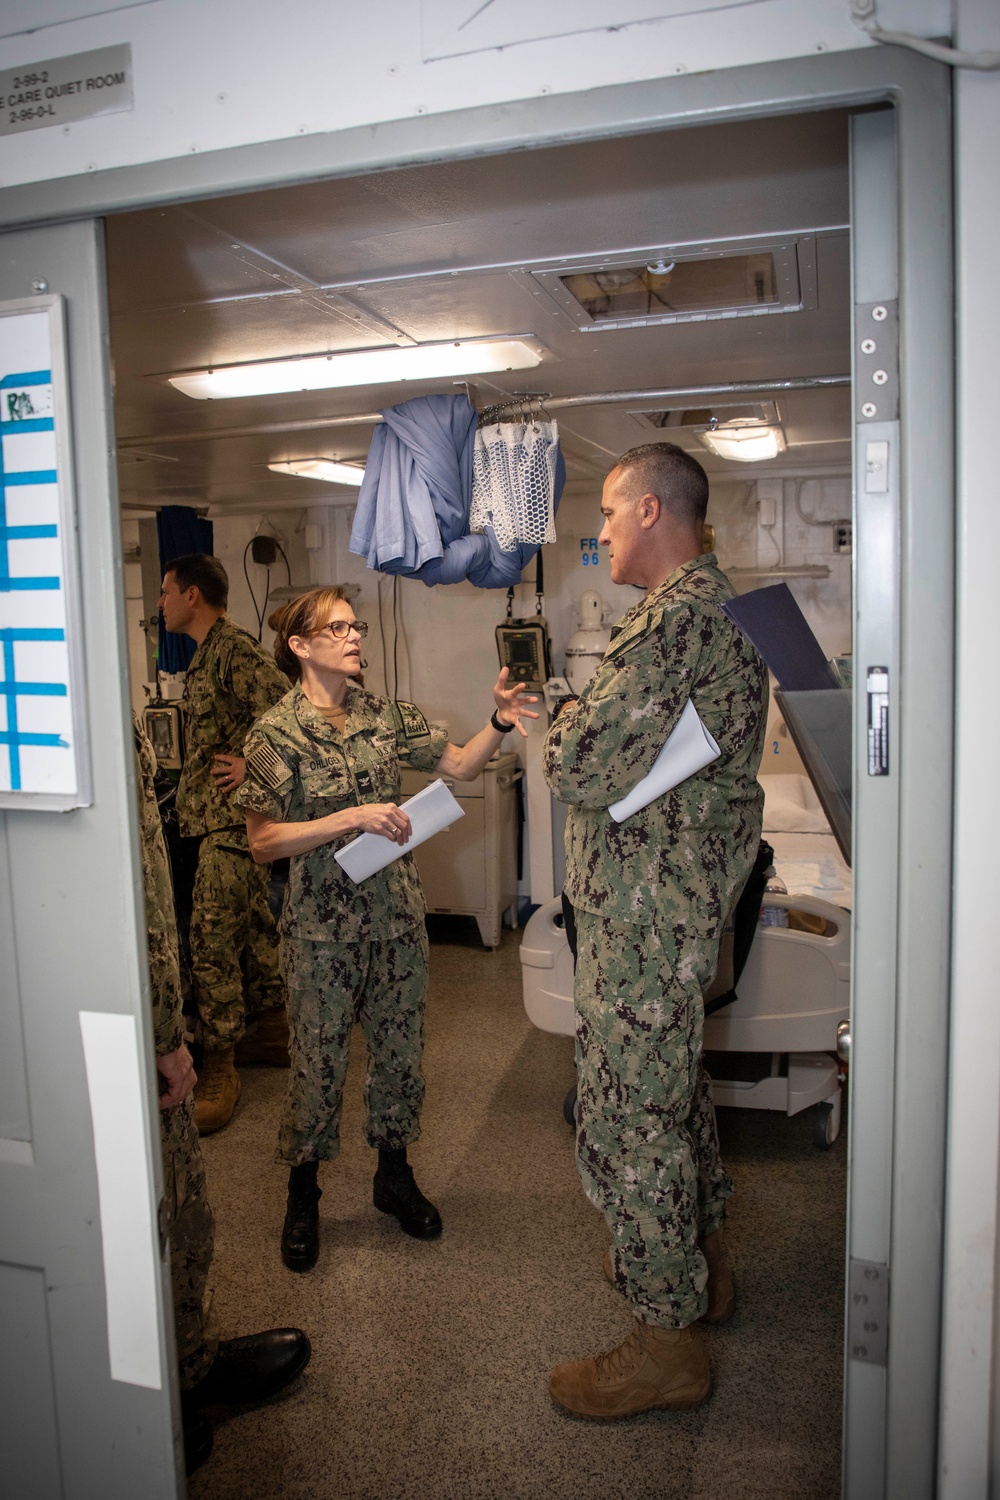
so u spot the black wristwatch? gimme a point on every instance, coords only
(500, 728)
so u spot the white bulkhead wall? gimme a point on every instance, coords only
(448, 658)
(446, 651)
(235, 72)
(232, 533)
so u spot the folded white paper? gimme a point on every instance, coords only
(689, 748)
(429, 810)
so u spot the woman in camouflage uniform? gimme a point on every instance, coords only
(323, 766)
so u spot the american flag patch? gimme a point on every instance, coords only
(267, 767)
(410, 720)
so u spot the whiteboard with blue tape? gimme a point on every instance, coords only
(43, 762)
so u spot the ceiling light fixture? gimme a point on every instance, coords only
(321, 468)
(747, 443)
(354, 367)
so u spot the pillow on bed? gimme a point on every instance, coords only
(791, 804)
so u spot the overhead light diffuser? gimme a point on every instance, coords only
(321, 468)
(747, 444)
(316, 372)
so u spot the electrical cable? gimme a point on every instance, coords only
(863, 16)
(253, 597)
(288, 566)
(381, 633)
(395, 639)
(777, 545)
(796, 501)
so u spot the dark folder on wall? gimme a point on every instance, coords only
(772, 620)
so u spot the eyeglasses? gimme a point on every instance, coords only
(341, 629)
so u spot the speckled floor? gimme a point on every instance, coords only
(429, 1360)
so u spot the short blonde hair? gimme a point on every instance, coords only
(302, 616)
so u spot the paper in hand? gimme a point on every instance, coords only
(689, 748)
(429, 810)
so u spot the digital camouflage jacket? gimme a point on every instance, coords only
(682, 860)
(300, 768)
(231, 681)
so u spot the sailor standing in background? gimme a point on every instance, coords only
(230, 682)
(651, 895)
(236, 1370)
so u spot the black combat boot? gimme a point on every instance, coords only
(250, 1369)
(300, 1235)
(395, 1192)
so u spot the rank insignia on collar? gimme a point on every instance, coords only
(267, 767)
(410, 720)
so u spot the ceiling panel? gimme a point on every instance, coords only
(400, 256)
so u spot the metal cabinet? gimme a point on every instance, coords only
(471, 868)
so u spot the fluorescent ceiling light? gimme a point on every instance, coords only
(321, 468)
(316, 372)
(748, 444)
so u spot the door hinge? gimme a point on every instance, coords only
(868, 1312)
(876, 362)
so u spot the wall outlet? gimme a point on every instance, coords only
(769, 497)
(843, 536)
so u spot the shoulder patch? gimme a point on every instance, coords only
(410, 720)
(267, 767)
(631, 633)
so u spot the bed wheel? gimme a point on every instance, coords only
(826, 1127)
(569, 1107)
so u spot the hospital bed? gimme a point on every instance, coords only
(774, 1047)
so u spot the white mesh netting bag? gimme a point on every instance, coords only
(513, 482)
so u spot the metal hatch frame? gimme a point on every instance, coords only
(891, 1425)
(794, 268)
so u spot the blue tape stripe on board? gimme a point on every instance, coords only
(28, 377)
(33, 689)
(18, 738)
(31, 633)
(11, 690)
(26, 533)
(29, 424)
(29, 476)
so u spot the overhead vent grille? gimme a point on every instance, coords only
(698, 418)
(639, 289)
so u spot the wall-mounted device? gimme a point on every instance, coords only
(523, 647)
(164, 730)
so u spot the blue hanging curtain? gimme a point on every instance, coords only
(179, 531)
(413, 505)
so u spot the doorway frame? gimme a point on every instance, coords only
(916, 1065)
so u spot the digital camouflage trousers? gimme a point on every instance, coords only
(234, 944)
(330, 986)
(191, 1225)
(647, 1147)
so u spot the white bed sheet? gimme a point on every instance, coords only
(806, 855)
(811, 864)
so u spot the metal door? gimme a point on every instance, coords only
(904, 606)
(902, 807)
(86, 1361)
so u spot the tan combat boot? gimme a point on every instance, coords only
(720, 1289)
(654, 1369)
(216, 1092)
(266, 1044)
